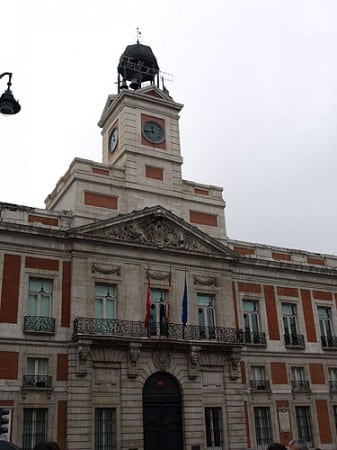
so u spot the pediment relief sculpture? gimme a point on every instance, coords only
(156, 231)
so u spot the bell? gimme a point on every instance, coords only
(123, 85)
(134, 84)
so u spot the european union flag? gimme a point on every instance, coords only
(184, 313)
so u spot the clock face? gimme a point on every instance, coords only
(153, 132)
(113, 139)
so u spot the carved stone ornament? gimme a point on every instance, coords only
(83, 351)
(162, 276)
(161, 359)
(107, 270)
(235, 358)
(205, 281)
(194, 362)
(134, 352)
(155, 230)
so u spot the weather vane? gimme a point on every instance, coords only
(139, 35)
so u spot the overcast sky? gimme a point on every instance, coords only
(258, 79)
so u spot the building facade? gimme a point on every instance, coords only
(130, 320)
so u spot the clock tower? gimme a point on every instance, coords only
(140, 124)
(141, 163)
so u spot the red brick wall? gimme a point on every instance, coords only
(321, 295)
(9, 365)
(249, 287)
(62, 367)
(324, 427)
(44, 220)
(62, 424)
(278, 373)
(100, 200)
(287, 291)
(156, 173)
(308, 316)
(32, 262)
(204, 218)
(273, 328)
(10, 289)
(281, 256)
(100, 171)
(317, 373)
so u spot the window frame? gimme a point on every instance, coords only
(213, 420)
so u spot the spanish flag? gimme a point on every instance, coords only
(148, 300)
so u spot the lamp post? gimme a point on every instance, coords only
(8, 104)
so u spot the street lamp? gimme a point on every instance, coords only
(8, 104)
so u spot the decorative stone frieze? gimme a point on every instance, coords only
(105, 269)
(205, 281)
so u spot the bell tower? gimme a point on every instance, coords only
(140, 124)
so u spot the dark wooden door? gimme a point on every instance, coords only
(162, 415)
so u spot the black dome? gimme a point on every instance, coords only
(138, 59)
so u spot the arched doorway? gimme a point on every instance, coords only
(162, 413)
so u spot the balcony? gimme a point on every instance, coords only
(172, 331)
(37, 381)
(38, 324)
(254, 338)
(294, 340)
(300, 386)
(259, 385)
(329, 342)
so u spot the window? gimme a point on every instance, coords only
(34, 427)
(37, 369)
(105, 429)
(333, 379)
(251, 322)
(258, 378)
(263, 428)
(290, 325)
(158, 311)
(303, 420)
(105, 301)
(299, 383)
(40, 297)
(213, 422)
(206, 315)
(326, 327)
(105, 308)
(335, 416)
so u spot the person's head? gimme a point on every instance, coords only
(298, 444)
(276, 446)
(47, 445)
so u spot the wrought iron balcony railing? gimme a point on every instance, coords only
(37, 381)
(260, 385)
(38, 324)
(294, 340)
(329, 342)
(254, 337)
(134, 329)
(300, 386)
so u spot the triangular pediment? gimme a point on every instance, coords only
(157, 228)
